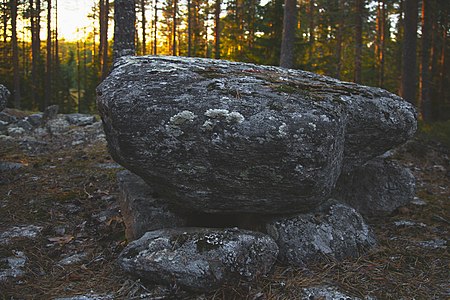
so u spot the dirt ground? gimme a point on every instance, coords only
(61, 226)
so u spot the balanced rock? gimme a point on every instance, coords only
(338, 232)
(141, 210)
(217, 136)
(199, 258)
(4, 95)
(376, 188)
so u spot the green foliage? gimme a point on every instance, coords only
(439, 131)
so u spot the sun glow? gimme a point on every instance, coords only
(73, 18)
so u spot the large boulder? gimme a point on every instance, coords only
(218, 136)
(199, 258)
(336, 232)
(4, 95)
(376, 188)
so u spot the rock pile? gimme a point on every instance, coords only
(233, 139)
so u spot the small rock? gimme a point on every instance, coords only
(50, 113)
(326, 293)
(29, 231)
(25, 125)
(199, 258)
(418, 202)
(108, 166)
(7, 118)
(35, 119)
(15, 265)
(88, 297)
(10, 166)
(140, 209)
(4, 95)
(80, 119)
(15, 131)
(406, 223)
(73, 259)
(433, 244)
(57, 126)
(339, 232)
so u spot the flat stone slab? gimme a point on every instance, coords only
(218, 136)
(199, 258)
(376, 188)
(141, 210)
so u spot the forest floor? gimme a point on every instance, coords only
(61, 230)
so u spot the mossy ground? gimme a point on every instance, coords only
(63, 190)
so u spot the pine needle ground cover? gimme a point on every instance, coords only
(67, 192)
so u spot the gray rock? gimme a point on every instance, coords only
(327, 293)
(24, 124)
(4, 95)
(376, 188)
(10, 166)
(141, 210)
(26, 231)
(50, 113)
(88, 297)
(14, 266)
(337, 233)
(187, 126)
(80, 119)
(218, 136)
(35, 119)
(199, 258)
(57, 126)
(7, 118)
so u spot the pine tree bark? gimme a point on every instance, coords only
(424, 82)
(189, 19)
(144, 25)
(288, 40)
(358, 39)
(339, 34)
(155, 28)
(174, 29)
(217, 11)
(124, 28)
(48, 74)
(15, 53)
(311, 28)
(409, 57)
(104, 34)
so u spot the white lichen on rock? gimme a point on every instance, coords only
(217, 113)
(182, 117)
(231, 117)
(282, 130)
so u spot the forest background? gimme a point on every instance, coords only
(399, 45)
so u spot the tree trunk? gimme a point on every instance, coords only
(15, 53)
(104, 55)
(48, 75)
(382, 41)
(101, 17)
(174, 29)
(358, 39)
(339, 33)
(442, 60)
(288, 40)
(311, 28)
(424, 83)
(217, 11)
(144, 24)
(124, 29)
(409, 59)
(155, 29)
